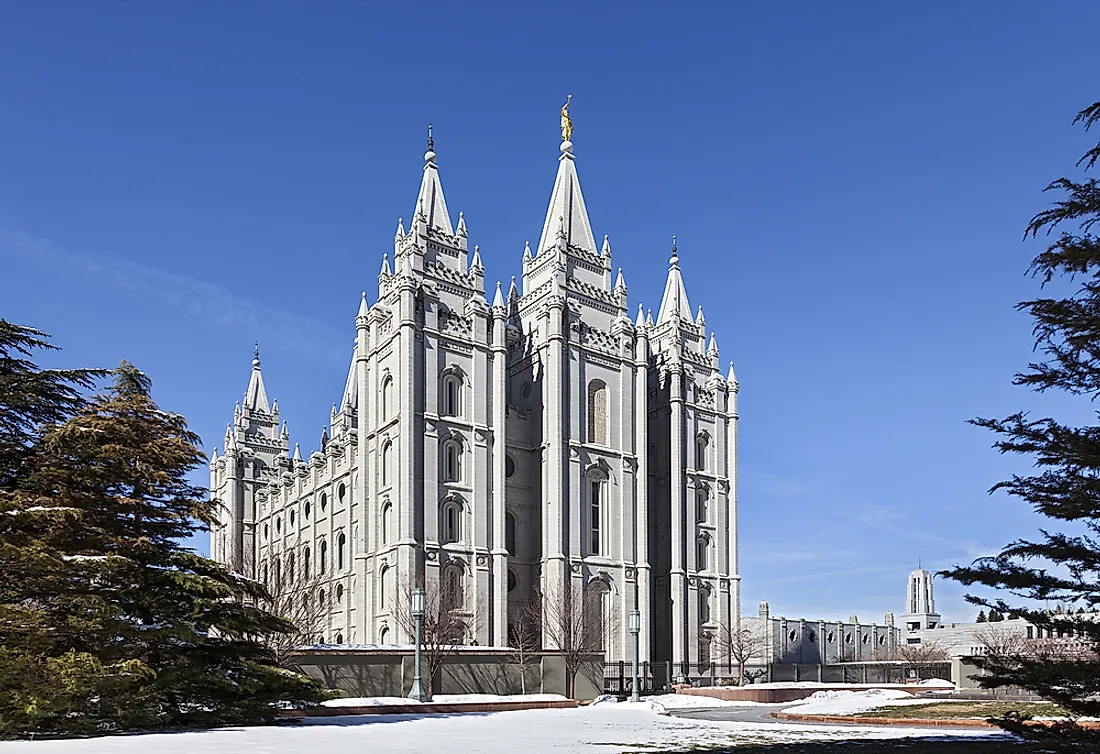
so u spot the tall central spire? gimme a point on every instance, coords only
(675, 301)
(567, 208)
(255, 397)
(430, 201)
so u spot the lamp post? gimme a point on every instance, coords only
(635, 623)
(417, 692)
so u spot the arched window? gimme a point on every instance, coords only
(701, 443)
(451, 395)
(704, 605)
(387, 397)
(387, 523)
(341, 493)
(293, 517)
(453, 595)
(341, 545)
(701, 497)
(305, 562)
(278, 525)
(597, 491)
(510, 533)
(450, 522)
(387, 458)
(324, 501)
(384, 587)
(597, 412)
(384, 636)
(704, 651)
(596, 615)
(307, 508)
(321, 604)
(339, 593)
(291, 573)
(322, 560)
(339, 638)
(702, 551)
(452, 460)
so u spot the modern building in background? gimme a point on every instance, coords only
(920, 605)
(504, 442)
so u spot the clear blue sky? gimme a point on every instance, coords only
(848, 182)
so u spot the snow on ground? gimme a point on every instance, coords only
(376, 701)
(854, 702)
(599, 729)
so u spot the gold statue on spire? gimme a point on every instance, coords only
(566, 121)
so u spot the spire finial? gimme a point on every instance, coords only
(674, 260)
(256, 355)
(566, 123)
(431, 141)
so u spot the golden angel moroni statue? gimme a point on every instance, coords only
(566, 121)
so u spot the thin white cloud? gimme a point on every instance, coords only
(204, 301)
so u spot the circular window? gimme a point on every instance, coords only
(831, 637)
(812, 637)
(525, 391)
(848, 639)
(509, 467)
(511, 580)
(324, 501)
(308, 506)
(278, 525)
(791, 636)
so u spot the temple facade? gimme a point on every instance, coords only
(527, 443)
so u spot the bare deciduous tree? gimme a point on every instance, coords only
(921, 657)
(449, 621)
(739, 642)
(304, 599)
(574, 622)
(525, 640)
(1002, 642)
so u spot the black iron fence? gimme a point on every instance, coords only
(655, 677)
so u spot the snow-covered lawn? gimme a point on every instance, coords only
(378, 701)
(606, 728)
(854, 702)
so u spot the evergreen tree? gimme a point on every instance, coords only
(981, 617)
(31, 397)
(995, 617)
(123, 627)
(1064, 565)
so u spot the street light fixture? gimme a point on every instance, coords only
(417, 692)
(634, 621)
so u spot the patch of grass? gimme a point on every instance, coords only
(935, 745)
(959, 710)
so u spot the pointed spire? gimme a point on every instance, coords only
(400, 234)
(297, 453)
(275, 406)
(649, 318)
(324, 437)
(385, 273)
(712, 351)
(332, 415)
(674, 303)
(351, 385)
(513, 291)
(213, 455)
(476, 263)
(640, 322)
(237, 413)
(255, 397)
(732, 376)
(429, 202)
(498, 299)
(228, 436)
(285, 433)
(461, 225)
(620, 284)
(567, 207)
(700, 320)
(605, 251)
(364, 310)
(526, 251)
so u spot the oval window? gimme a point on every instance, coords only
(509, 467)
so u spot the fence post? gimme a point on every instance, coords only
(622, 681)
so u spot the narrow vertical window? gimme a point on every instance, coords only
(341, 493)
(701, 553)
(384, 587)
(701, 443)
(701, 496)
(384, 636)
(386, 523)
(452, 461)
(341, 543)
(323, 556)
(387, 398)
(384, 472)
(305, 562)
(451, 523)
(510, 533)
(597, 412)
(594, 509)
(452, 395)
